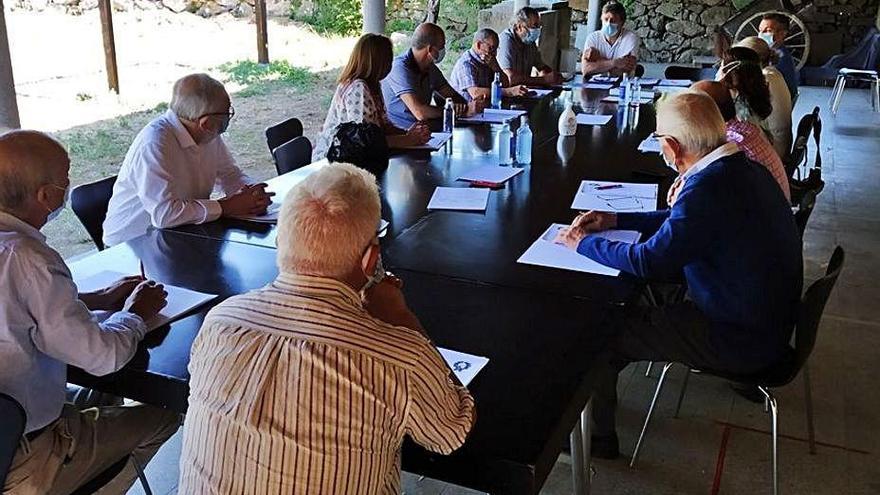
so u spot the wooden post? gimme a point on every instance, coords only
(8, 104)
(109, 44)
(262, 32)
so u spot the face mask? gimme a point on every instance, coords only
(609, 29)
(441, 53)
(768, 38)
(53, 214)
(669, 163)
(377, 276)
(532, 35)
(224, 125)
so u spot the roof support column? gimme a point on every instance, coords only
(8, 103)
(594, 12)
(374, 16)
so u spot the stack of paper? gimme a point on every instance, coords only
(271, 215)
(459, 198)
(494, 174)
(494, 116)
(545, 252)
(650, 145)
(438, 139)
(643, 100)
(180, 300)
(537, 94)
(465, 366)
(590, 119)
(675, 82)
(604, 79)
(649, 81)
(615, 196)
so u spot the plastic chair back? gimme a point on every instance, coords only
(804, 194)
(292, 155)
(11, 430)
(798, 155)
(89, 203)
(811, 309)
(283, 132)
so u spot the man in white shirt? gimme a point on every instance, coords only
(613, 49)
(282, 376)
(45, 325)
(174, 164)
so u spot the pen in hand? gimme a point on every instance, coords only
(143, 273)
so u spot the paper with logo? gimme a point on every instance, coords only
(465, 366)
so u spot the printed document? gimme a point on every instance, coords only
(590, 119)
(465, 366)
(545, 252)
(459, 198)
(491, 173)
(615, 196)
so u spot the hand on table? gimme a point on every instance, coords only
(147, 299)
(418, 133)
(583, 225)
(112, 297)
(249, 200)
(551, 78)
(625, 64)
(518, 90)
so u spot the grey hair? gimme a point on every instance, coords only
(693, 119)
(26, 164)
(485, 34)
(522, 16)
(197, 94)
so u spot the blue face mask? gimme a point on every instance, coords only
(610, 29)
(768, 38)
(53, 214)
(533, 35)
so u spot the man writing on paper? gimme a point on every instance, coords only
(518, 51)
(731, 235)
(45, 325)
(174, 164)
(475, 70)
(328, 349)
(613, 49)
(415, 78)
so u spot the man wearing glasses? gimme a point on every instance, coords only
(475, 70)
(175, 163)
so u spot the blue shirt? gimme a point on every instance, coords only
(515, 54)
(733, 237)
(787, 68)
(470, 72)
(406, 77)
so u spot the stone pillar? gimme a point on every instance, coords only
(374, 16)
(594, 12)
(518, 4)
(8, 104)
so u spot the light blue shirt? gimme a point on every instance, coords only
(407, 78)
(44, 326)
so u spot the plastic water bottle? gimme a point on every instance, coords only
(448, 116)
(524, 142)
(496, 91)
(504, 145)
(635, 92)
(624, 90)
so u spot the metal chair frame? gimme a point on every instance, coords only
(870, 76)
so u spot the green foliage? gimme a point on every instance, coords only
(341, 17)
(254, 76)
(89, 147)
(400, 26)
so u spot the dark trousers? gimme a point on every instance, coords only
(677, 332)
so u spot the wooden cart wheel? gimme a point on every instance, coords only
(797, 41)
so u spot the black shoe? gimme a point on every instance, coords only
(605, 447)
(748, 392)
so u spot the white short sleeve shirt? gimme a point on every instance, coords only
(627, 43)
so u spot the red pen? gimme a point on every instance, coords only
(610, 186)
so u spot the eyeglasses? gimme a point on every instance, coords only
(657, 137)
(230, 113)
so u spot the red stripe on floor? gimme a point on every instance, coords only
(789, 437)
(719, 463)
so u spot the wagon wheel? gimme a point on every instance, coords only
(797, 41)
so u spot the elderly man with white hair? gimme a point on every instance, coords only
(175, 163)
(730, 234)
(310, 384)
(45, 325)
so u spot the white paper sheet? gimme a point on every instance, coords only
(537, 94)
(545, 252)
(616, 99)
(649, 81)
(605, 196)
(180, 300)
(459, 198)
(675, 82)
(494, 116)
(590, 119)
(438, 139)
(669, 89)
(383, 227)
(271, 215)
(650, 145)
(491, 173)
(465, 366)
(596, 86)
(604, 79)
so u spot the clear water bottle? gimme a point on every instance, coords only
(524, 142)
(624, 90)
(504, 145)
(496, 91)
(448, 116)
(635, 92)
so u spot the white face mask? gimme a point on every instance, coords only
(377, 276)
(53, 214)
(768, 38)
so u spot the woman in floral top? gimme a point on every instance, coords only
(358, 97)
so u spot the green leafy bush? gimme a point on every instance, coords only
(330, 16)
(248, 72)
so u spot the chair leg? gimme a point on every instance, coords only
(834, 91)
(875, 100)
(839, 96)
(648, 369)
(576, 442)
(141, 476)
(684, 385)
(808, 398)
(774, 434)
(635, 456)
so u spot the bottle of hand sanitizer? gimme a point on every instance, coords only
(568, 121)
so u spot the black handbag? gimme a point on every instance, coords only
(361, 144)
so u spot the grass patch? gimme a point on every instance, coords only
(255, 76)
(91, 146)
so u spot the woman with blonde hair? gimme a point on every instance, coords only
(358, 97)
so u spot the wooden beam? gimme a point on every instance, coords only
(109, 44)
(262, 32)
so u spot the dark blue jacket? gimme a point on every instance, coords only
(732, 234)
(787, 68)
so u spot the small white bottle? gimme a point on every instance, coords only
(504, 138)
(568, 121)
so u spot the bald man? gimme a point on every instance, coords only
(749, 137)
(415, 79)
(176, 162)
(45, 325)
(730, 234)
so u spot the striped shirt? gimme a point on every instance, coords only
(295, 388)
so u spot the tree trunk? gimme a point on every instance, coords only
(432, 11)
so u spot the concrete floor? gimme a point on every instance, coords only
(681, 456)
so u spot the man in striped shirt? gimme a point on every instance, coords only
(310, 384)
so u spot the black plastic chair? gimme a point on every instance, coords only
(803, 196)
(797, 158)
(691, 73)
(292, 155)
(11, 431)
(283, 132)
(89, 203)
(809, 316)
